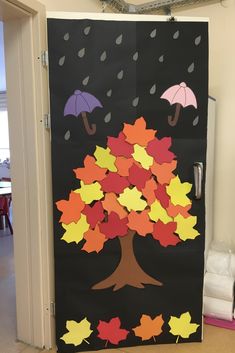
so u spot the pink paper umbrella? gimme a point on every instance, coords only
(181, 95)
(82, 103)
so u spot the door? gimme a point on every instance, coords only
(129, 135)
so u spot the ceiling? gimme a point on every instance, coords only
(2, 61)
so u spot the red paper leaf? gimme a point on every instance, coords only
(94, 214)
(138, 176)
(119, 146)
(114, 183)
(71, 209)
(162, 195)
(91, 172)
(164, 233)
(159, 150)
(115, 227)
(111, 331)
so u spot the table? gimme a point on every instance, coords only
(5, 191)
(5, 184)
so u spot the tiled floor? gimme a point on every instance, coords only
(215, 340)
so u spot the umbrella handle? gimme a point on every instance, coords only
(172, 121)
(91, 130)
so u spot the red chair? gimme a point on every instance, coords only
(4, 211)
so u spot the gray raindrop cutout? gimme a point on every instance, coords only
(119, 39)
(196, 121)
(153, 33)
(120, 75)
(103, 56)
(62, 60)
(161, 59)
(66, 36)
(198, 40)
(87, 30)
(135, 101)
(176, 35)
(85, 81)
(81, 52)
(109, 93)
(191, 68)
(107, 118)
(136, 56)
(153, 89)
(67, 135)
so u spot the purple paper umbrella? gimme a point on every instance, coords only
(82, 103)
(182, 96)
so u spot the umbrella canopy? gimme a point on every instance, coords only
(180, 94)
(81, 102)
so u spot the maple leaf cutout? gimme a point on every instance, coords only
(182, 326)
(149, 328)
(163, 171)
(71, 209)
(77, 332)
(131, 199)
(105, 159)
(159, 150)
(94, 214)
(90, 193)
(123, 165)
(75, 231)
(114, 227)
(94, 240)
(185, 228)
(119, 146)
(138, 134)
(140, 222)
(111, 331)
(111, 204)
(178, 191)
(164, 233)
(114, 183)
(91, 172)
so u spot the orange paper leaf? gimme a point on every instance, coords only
(173, 210)
(149, 191)
(91, 172)
(163, 172)
(94, 240)
(110, 204)
(123, 165)
(137, 133)
(149, 328)
(140, 222)
(71, 209)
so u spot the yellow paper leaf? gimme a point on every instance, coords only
(157, 212)
(178, 191)
(90, 192)
(131, 199)
(182, 326)
(77, 332)
(185, 226)
(105, 159)
(140, 155)
(75, 231)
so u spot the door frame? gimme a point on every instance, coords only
(27, 94)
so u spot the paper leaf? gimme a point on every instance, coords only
(163, 171)
(115, 227)
(90, 193)
(173, 210)
(149, 191)
(157, 212)
(77, 332)
(114, 183)
(119, 146)
(75, 231)
(111, 331)
(123, 165)
(162, 196)
(140, 222)
(94, 214)
(131, 199)
(71, 209)
(182, 326)
(91, 172)
(185, 228)
(140, 155)
(178, 191)
(105, 159)
(149, 328)
(138, 176)
(137, 133)
(110, 204)
(164, 233)
(94, 240)
(159, 150)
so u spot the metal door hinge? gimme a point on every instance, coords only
(52, 309)
(45, 59)
(47, 121)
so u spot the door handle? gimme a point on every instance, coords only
(198, 177)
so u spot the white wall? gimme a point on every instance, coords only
(222, 84)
